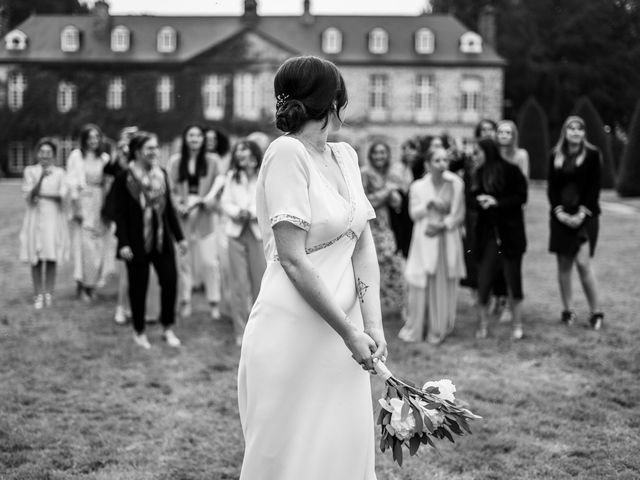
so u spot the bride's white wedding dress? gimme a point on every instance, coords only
(305, 404)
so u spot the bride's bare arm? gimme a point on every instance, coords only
(290, 242)
(367, 275)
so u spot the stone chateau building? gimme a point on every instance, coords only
(405, 74)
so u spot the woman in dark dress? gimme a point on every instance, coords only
(573, 189)
(146, 227)
(499, 192)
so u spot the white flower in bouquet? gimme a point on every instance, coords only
(403, 424)
(446, 388)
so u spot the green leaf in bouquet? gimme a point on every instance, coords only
(447, 434)
(402, 392)
(381, 416)
(463, 423)
(407, 382)
(428, 425)
(386, 420)
(432, 390)
(433, 406)
(383, 441)
(455, 428)
(390, 441)
(405, 410)
(397, 451)
(417, 415)
(414, 444)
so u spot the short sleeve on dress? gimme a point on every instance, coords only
(286, 184)
(353, 156)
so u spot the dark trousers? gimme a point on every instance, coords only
(138, 272)
(494, 264)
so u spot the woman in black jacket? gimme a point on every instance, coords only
(146, 227)
(499, 193)
(573, 189)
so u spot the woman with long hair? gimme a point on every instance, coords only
(499, 192)
(85, 176)
(192, 173)
(44, 238)
(147, 227)
(436, 261)
(246, 258)
(383, 191)
(507, 138)
(216, 145)
(573, 190)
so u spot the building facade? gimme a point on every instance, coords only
(405, 75)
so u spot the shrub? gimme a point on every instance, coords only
(629, 173)
(534, 137)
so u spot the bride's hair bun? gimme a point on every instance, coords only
(291, 115)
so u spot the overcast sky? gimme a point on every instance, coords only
(265, 7)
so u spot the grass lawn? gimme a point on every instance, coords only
(79, 401)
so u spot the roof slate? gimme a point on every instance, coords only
(197, 35)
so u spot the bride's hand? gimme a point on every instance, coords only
(377, 335)
(361, 346)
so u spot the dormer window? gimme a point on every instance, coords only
(70, 39)
(425, 41)
(332, 41)
(15, 40)
(120, 39)
(378, 41)
(167, 40)
(471, 42)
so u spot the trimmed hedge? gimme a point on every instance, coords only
(629, 174)
(534, 137)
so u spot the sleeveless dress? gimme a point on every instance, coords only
(305, 405)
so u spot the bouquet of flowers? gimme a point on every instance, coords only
(413, 416)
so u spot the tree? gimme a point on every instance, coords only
(597, 136)
(629, 174)
(534, 137)
(20, 10)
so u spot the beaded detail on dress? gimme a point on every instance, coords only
(298, 222)
(350, 234)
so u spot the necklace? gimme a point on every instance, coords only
(313, 145)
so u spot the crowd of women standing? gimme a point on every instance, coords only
(445, 217)
(128, 206)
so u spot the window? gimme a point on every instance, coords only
(471, 99)
(425, 98)
(115, 93)
(66, 97)
(331, 41)
(167, 40)
(17, 156)
(378, 92)
(120, 39)
(164, 94)
(15, 40)
(213, 97)
(246, 99)
(425, 41)
(15, 91)
(470, 42)
(378, 41)
(70, 39)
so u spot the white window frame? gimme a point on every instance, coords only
(247, 95)
(16, 86)
(425, 41)
(378, 96)
(378, 41)
(470, 42)
(470, 99)
(425, 98)
(167, 40)
(15, 40)
(115, 93)
(67, 96)
(331, 41)
(70, 39)
(165, 93)
(17, 153)
(214, 96)
(120, 39)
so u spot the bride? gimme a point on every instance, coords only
(305, 404)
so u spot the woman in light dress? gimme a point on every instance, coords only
(304, 393)
(507, 138)
(192, 173)
(383, 190)
(44, 238)
(435, 263)
(244, 238)
(88, 229)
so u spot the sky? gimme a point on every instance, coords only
(265, 7)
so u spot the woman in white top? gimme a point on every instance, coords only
(246, 261)
(435, 263)
(304, 399)
(44, 238)
(85, 174)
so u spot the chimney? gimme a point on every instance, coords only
(250, 11)
(487, 25)
(101, 20)
(101, 9)
(307, 18)
(428, 7)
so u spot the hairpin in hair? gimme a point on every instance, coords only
(281, 99)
